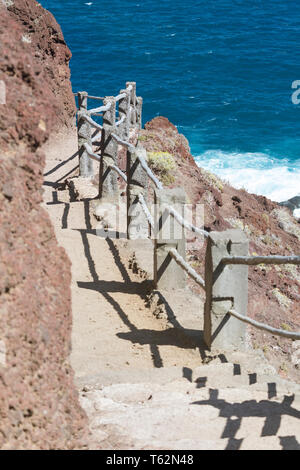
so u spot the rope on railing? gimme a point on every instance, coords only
(91, 153)
(120, 121)
(186, 224)
(123, 142)
(146, 211)
(149, 172)
(102, 109)
(96, 137)
(254, 260)
(120, 96)
(172, 252)
(171, 210)
(262, 326)
(184, 265)
(117, 170)
(92, 122)
(123, 95)
(99, 98)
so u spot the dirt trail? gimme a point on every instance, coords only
(112, 328)
(146, 382)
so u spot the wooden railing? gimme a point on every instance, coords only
(227, 260)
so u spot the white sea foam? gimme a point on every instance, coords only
(297, 213)
(259, 173)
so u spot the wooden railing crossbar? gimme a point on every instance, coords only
(116, 132)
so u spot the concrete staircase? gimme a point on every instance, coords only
(222, 405)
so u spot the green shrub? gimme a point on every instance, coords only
(163, 164)
(213, 180)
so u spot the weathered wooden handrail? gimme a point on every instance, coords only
(150, 173)
(99, 98)
(97, 136)
(191, 272)
(101, 109)
(117, 170)
(90, 152)
(254, 260)
(186, 224)
(120, 96)
(226, 289)
(262, 326)
(122, 142)
(91, 121)
(120, 121)
(146, 211)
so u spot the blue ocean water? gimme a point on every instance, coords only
(222, 71)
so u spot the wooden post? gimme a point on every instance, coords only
(132, 103)
(108, 183)
(139, 108)
(84, 134)
(226, 288)
(137, 183)
(124, 110)
(169, 234)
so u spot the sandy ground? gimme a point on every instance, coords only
(112, 328)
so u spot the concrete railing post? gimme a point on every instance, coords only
(124, 110)
(226, 288)
(139, 109)
(137, 183)
(168, 234)
(132, 103)
(108, 183)
(84, 133)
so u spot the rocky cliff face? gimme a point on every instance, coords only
(274, 291)
(38, 402)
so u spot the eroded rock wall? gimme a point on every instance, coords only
(39, 405)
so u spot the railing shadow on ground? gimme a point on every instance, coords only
(180, 337)
(55, 201)
(177, 336)
(60, 183)
(56, 184)
(120, 115)
(57, 167)
(98, 285)
(272, 411)
(196, 336)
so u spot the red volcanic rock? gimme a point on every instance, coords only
(35, 57)
(39, 405)
(44, 37)
(274, 291)
(166, 134)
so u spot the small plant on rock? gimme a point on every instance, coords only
(163, 164)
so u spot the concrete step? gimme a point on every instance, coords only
(180, 416)
(226, 375)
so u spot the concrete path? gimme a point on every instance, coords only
(145, 379)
